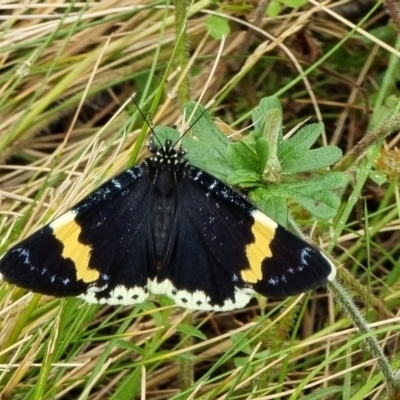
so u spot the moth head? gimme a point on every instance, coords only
(166, 156)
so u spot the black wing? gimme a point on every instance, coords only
(222, 249)
(98, 250)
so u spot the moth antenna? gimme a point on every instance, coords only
(149, 123)
(150, 118)
(190, 127)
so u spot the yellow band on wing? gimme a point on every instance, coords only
(263, 229)
(67, 231)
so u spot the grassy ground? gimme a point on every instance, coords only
(67, 124)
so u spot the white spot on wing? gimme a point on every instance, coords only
(63, 219)
(332, 274)
(198, 175)
(116, 183)
(213, 185)
(305, 252)
(264, 219)
(120, 295)
(273, 281)
(25, 253)
(199, 300)
(90, 297)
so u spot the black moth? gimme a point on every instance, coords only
(166, 227)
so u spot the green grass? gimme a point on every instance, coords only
(67, 124)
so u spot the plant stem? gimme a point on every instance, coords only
(347, 305)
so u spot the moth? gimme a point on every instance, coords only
(166, 227)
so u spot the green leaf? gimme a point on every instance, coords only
(243, 178)
(313, 160)
(263, 150)
(296, 157)
(259, 114)
(315, 195)
(210, 143)
(267, 118)
(273, 9)
(273, 131)
(164, 133)
(240, 362)
(273, 126)
(301, 141)
(243, 155)
(274, 206)
(217, 27)
(378, 177)
(240, 339)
